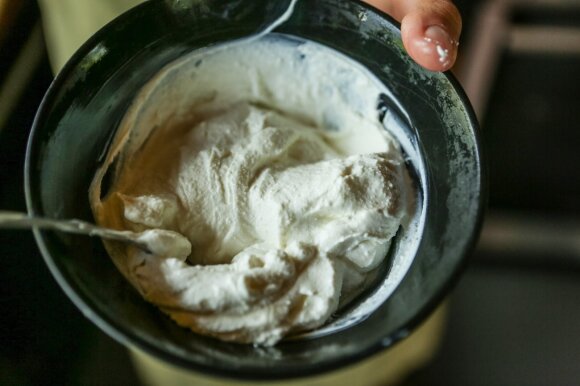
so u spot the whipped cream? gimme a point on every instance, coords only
(269, 157)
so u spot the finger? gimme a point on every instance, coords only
(430, 30)
(431, 34)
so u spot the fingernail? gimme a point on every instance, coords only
(438, 35)
(444, 44)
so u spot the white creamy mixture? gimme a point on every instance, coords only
(269, 157)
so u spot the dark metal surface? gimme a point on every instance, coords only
(91, 94)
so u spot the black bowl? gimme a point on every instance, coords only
(89, 97)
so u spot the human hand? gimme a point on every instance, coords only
(430, 29)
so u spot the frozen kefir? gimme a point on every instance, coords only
(269, 157)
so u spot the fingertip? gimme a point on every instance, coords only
(434, 55)
(429, 42)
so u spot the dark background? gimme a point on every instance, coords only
(514, 317)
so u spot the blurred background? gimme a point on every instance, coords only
(514, 317)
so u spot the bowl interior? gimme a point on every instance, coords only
(83, 107)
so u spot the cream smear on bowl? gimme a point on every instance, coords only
(269, 156)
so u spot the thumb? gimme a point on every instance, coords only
(430, 29)
(431, 34)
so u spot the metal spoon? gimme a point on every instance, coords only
(159, 242)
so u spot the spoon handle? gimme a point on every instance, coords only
(17, 220)
(157, 241)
